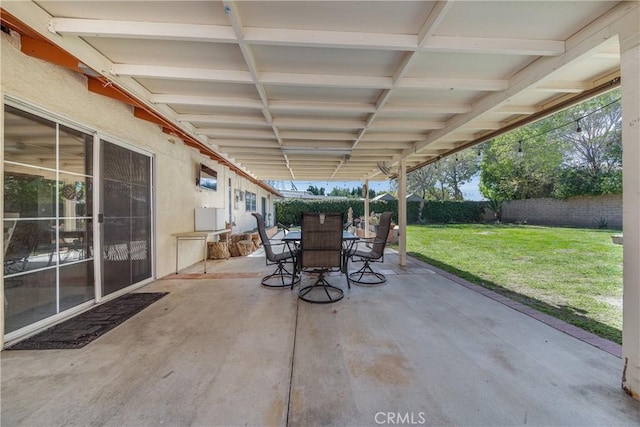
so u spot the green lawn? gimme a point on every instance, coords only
(572, 274)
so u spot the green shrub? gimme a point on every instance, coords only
(289, 211)
(448, 212)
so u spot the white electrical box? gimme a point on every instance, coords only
(209, 219)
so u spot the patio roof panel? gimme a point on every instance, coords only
(216, 56)
(313, 60)
(398, 17)
(197, 12)
(549, 20)
(467, 65)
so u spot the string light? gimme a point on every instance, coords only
(577, 121)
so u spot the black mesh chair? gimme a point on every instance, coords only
(281, 277)
(374, 252)
(321, 252)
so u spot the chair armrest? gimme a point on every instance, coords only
(272, 244)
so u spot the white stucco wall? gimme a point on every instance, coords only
(64, 92)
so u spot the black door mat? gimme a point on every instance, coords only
(86, 327)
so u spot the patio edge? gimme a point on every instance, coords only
(610, 347)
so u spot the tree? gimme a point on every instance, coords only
(315, 190)
(423, 182)
(593, 134)
(340, 192)
(442, 180)
(457, 170)
(521, 164)
(576, 151)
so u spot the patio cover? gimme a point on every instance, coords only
(322, 90)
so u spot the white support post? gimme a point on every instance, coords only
(630, 75)
(2, 295)
(402, 213)
(366, 209)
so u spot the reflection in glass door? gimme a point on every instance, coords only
(48, 228)
(126, 207)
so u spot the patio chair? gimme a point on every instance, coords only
(375, 252)
(281, 277)
(321, 252)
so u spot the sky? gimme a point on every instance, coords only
(470, 190)
(377, 186)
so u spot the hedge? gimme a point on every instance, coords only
(289, 211)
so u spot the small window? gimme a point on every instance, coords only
(250, 201)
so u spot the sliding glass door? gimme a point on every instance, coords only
(126, 215)
(48, 222)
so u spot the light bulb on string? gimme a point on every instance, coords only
(520, 152)
(578, 128)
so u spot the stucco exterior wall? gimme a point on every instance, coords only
(64, 93)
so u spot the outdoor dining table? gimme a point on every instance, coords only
(348, 240)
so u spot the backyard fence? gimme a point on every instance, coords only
(582, 211)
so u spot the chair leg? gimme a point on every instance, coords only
(367, 276)
(333, 293)
(281, 273)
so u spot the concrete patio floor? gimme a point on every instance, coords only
(220, 350)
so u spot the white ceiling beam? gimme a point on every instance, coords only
(435, 18)
(141, 30)
(221, 119)
(211, 101)
(454, 84)
(328, 39)
(182, 73)
(501, 46)
(236, 22)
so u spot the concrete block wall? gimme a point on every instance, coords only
(582, 211)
